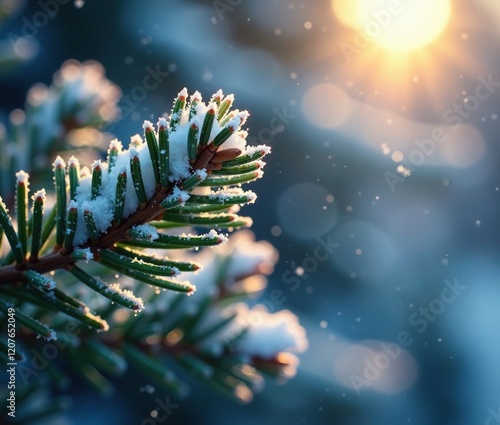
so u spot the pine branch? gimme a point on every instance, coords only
(79, 99)
(117, 203)
(188, 172)
(61, 259)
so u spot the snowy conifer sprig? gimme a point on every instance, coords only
(131, 200)
(61, 117)
(215, 335)
(94, 249)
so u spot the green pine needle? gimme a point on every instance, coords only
(10, 233)
(135, 170)
(60, 187)
(153, 149)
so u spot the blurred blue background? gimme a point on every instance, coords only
(382, 193)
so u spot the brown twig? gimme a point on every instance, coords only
(62, 259)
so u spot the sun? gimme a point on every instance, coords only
(405, 49)
(403, 25)
(396, 25)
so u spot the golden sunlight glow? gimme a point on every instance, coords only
(345, 12)
(396, 25)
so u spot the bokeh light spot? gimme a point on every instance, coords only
(464, 146)
(301, 213)
(385, 366)
(326, 105)
(276, 230)
(397, 156)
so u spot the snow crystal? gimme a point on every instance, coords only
(148, 125)
(136, 141)
(227, 193)
(196, 96)
(214, 235)
(22, 177)
(178, 193)
(52, 336)
(234, 123)
(86, 253)
(39, 195)
(134, 153)
(115, 144)
(102, 210)
(149, 232)
(86, 207)
(212, 107)
(127, 295)
(59, 163)
(201, 109)
(243, 115)
(235, 140)
(269, 333)
(188, 284)
(251, 197)
(253, 149)
(50, 284)
(183, 93)
(196, 121)
(179, 169)
(218, 95)
(162, 122)
(202, 174)
(96, 164)
(73, 162)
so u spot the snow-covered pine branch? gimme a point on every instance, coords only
(109, 225)
(185, 172)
